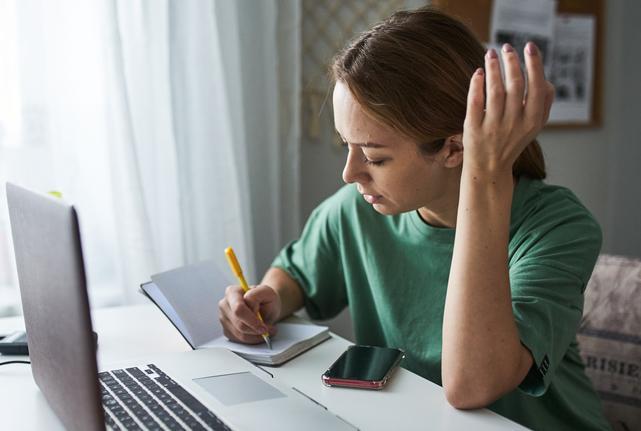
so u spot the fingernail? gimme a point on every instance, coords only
(531, 48)
(479, 71)
(507, 48)
(491, 53)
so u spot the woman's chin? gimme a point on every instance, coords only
(384, 209)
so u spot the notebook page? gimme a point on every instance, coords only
(194, 292)
(152, 290)
(288, 335)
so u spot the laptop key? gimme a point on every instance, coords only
(111, 422)
(130, 424)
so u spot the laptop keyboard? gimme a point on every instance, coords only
(141, 398)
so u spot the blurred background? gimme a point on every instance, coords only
(180, 128)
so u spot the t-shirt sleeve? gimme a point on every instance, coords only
(314, 262)
(547, 282)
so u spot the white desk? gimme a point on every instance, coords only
(408, 402)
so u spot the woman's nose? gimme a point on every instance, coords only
(354, 170)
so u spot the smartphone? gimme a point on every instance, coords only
(365, 367)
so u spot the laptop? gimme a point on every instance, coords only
(209, 389)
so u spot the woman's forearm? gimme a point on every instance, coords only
(482, 355)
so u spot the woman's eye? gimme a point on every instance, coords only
(374, 162)
(365, 159)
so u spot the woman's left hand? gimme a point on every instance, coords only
(494, 135)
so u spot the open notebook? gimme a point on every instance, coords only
(189, 298)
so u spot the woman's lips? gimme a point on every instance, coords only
(372, 199)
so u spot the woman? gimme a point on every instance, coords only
(445, 242)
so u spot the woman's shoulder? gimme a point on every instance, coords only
(538, 202)
(549, 222)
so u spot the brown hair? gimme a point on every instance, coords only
(412, 73)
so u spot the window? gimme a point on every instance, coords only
(53, 129)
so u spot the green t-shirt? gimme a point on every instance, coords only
(393, 272)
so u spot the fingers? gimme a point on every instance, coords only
(234, 334)
(257, 296)
(475, 100)
(514, 82)
(536, 87)
(239, 313)
(494, 88)
(496, 137)
(506, 99)
(262, 298)
(234, 329)
(549, 99)
(226, 316)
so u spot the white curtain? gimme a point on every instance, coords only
(260, 42)
(162, 122)
(52, 128)
(179, 169)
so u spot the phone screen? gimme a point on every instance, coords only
(364, 363)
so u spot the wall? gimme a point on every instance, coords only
(602, 165)
(624, 179)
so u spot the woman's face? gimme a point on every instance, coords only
(387, 167)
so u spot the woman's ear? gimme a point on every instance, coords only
(452, 151)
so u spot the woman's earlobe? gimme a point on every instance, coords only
(454, 151)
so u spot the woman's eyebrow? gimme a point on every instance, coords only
(362, 144)
(368, 145)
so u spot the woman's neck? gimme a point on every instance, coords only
(443, 213)
(444, 218)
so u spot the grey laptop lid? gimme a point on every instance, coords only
(51, 274)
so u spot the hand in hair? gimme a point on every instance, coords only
(495, 136)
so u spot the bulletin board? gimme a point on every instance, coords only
(476, 14)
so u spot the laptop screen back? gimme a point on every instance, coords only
(51, 275)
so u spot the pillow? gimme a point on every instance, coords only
(610, 338)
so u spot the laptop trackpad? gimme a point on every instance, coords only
(238, 388)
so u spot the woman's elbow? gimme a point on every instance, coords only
(464, 399)
(468, 395)
(476, 389)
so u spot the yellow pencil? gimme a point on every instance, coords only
(235, 267)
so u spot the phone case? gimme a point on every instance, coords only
(361, 384)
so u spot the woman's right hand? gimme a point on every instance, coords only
(237, 313)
